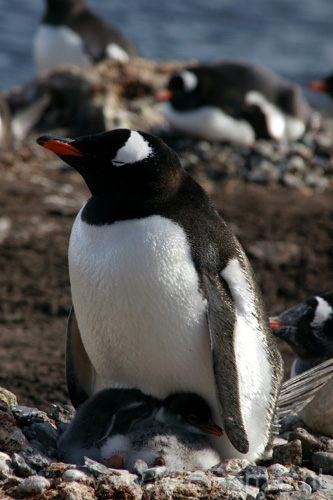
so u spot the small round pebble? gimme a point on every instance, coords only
(33, 485)
(74, 475)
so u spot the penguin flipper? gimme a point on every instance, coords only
(79, 370)
(298, 391)
(225, 373)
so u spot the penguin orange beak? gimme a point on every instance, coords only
(164, 95)
(318, 85)
(210, 428)
(276, 324)
(58, 146)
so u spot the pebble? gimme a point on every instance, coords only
(154, 473)
(255, 475)
(33, 485)
(21, 467)
(27, 416)
(323, 462)
(310, 443)
(5, 464)
(290, 453)
(75, 475)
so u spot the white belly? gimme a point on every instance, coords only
(209, 122)
(143, 320)
(138, 305)
(55, 46)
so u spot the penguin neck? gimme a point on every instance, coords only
(58, 11)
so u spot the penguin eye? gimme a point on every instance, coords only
(192, 418)
(118, 163)
(158, 462)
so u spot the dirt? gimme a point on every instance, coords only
(286, 233)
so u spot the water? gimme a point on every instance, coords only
(293, 38)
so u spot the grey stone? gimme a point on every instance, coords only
(75, 475)
(33, 485)
(44, 433)
(5, 465)
(323, 462)
(304, 487)
(292, 181)
(255, 475)
(277, 470)
(36, 460)
(154, 473)
(21, 467)
(26, 416)
(276, 485)
(95, 468)
(310, 444)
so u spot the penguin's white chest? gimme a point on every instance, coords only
(58, 45)
(140, 312)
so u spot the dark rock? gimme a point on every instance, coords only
(26, 416)
(290, 453)
(310, 444)
(323, 462)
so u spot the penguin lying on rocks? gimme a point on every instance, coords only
(235, 101)
(308, 329)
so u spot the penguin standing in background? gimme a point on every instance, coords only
(69, 33)
(235, 101)
(308, 329)
(164, 298)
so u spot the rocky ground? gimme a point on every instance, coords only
(277, 199)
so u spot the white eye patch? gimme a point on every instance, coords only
(135, 149)
(190, 80)
(323, 312)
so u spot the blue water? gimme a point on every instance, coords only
(292, 37)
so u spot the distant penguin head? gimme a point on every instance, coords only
(189, 411)
(325, 85)
(122, 166)
(308, 327)
(183, 90)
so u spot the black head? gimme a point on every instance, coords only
(184, 90)
(132, 172)
(191, 411)
(308, 327)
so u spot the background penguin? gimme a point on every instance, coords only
(308, 329)
(165, 299)
(324, 85)
(70, 33)
(107, 412)
(236, 102)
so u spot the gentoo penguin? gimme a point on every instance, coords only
(308, 329)
(174, 438)
(70, 33)
(324, 85)
(164, 298)
(107, 412)
(236, 102)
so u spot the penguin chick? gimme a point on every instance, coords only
(308, 328)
